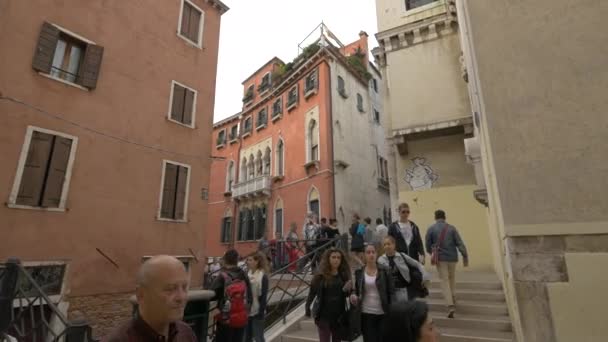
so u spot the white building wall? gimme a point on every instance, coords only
(357, 140)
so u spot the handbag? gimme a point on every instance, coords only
(435, 249)
(349, 323)
(415, 288)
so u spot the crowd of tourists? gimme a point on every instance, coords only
(373, 292)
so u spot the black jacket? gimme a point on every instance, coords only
(317, 290)
(384, 283)
(218, 285)
(416, 246)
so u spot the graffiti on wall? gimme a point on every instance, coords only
(420, 176)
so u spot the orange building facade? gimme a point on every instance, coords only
(105, 143)
(281, 156)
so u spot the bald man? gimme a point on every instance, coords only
(162, 291)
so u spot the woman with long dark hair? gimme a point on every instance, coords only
(259, 272)
(409, 322)
(373, 292)
(330, 286)
(409, 276)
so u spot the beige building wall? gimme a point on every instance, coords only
(429, 118)
(542, 128)
(425, 83)
(451, 192)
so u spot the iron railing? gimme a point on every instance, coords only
(290, 282)
(28, 314)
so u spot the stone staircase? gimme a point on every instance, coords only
(481, 313)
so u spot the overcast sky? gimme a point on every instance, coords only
(252, 32)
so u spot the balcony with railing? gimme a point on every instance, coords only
(259, 186)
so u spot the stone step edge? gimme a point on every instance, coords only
(478, 338)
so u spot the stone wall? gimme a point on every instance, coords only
(103, 311)
(539, 262)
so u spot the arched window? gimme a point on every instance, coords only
(313, 140)
(230, 176)
(314, 201)
(278, 218)
(259, 166)
(280, 159)
(243, 176)
(226, 233)
(251, 167)
(266, 169)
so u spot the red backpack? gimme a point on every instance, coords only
(234, 312)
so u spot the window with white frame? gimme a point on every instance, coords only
(341, 87)
(243, 174)
(314, 202)
(311, 83)
(44, 170)
(183, 104)
(411, 4)
(247, 126)
(292, 98)
(66, 56)
(248, 95)
(221, 138)
(234, 132)
(267, 161)
(277, 108)
(278, 218)
(174, 191)
(259, 165)
(375, 85)
(230, 176)
(376, 116)
(262, 118)
(191, 22)
(360, 103)
(313, 140)
(226, 229)
(280, 158)
(266, 83)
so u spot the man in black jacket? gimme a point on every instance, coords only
(407, 235)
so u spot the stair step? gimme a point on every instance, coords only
(470, 307)
(470, 285)
(305, 335)
(465, 335)
(473, 322)
(477, 295)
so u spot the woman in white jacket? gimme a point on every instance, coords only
(407, 282)
(258, 278)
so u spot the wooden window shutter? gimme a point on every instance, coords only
(45, 49)
(177, 108)
(188, 107)
(169, 188)
(56, 172)
(185, 24)
(89, 71)
(180, 196)
(195, 21)
(32, 179)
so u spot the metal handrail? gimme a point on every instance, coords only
(28, 317)
(287, 298)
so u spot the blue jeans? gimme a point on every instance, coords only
(255, 330)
